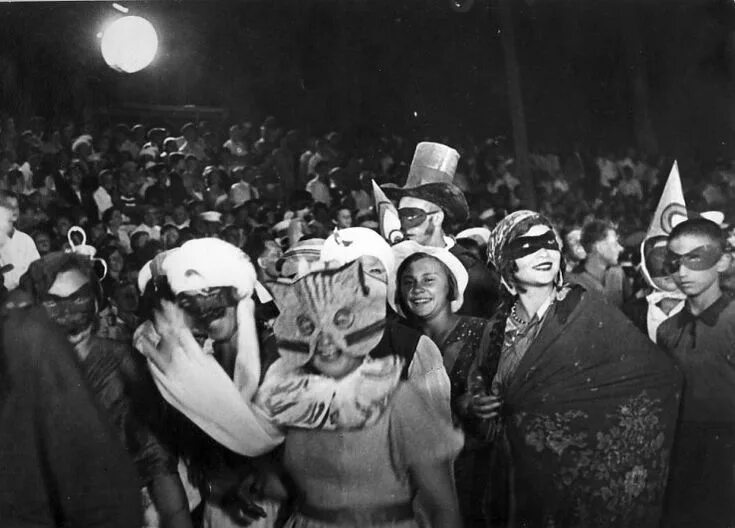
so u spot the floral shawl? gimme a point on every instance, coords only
(588, 421)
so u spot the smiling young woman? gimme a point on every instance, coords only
(431, 284)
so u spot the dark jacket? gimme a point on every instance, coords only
(481, 294)
(61, 463)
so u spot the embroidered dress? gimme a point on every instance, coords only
(472, 466)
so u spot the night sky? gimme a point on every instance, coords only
(414, 67)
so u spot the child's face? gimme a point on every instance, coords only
(695, 251)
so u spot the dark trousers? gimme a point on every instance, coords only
(701, 488)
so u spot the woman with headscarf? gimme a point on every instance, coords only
(203, 351)
(66, 285)
(588, 403)
(360, 442)
(430, 288)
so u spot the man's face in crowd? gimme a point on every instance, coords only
(180, 214)
(150, 216)
(115, 219)
(108, 182)
(268, 259)
(75, 176)
(62, 226)
(425, 231)
(694, 282)
(574, 247)
(116, 262)
(344, 218)
(609, 248)
(43, 243)
(170, 238)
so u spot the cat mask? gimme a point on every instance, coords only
(346, 304)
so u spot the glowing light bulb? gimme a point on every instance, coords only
(129, 44)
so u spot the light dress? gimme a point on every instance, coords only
(369, 468)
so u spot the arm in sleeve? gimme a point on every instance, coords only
(93, 479)
(427, 375)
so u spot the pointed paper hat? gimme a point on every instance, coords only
(431, 178)
(389, 223)
(671, 210)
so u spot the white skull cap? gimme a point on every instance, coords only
(209, 263)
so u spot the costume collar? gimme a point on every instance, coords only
(711, 315)
(657, 296)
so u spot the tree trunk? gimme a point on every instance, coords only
(730, 148)
(515, 102)
(636, 61)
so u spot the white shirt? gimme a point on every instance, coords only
(153, 232)
(103, 200)
(319, 191)
(655, 315)
(20, 251)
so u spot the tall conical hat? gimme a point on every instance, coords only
(671, 210)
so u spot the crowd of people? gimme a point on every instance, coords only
(272, 329)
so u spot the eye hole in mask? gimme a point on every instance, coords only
(207, 306)
(528, 245)
(699, 259)
(413, 216)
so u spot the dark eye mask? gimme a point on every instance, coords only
(699, 259)
(412, 216)
(208, 306)
(528, 245)
(74, 313)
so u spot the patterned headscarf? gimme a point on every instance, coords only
(508, 229)
(504, 233)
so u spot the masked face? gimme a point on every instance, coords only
(210, 312)
(695, 263)
(71, 303)
(537, 256)
(420, 219)
(656, 265)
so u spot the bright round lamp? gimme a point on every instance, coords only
(129, 44)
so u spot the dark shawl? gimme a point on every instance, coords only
(589, 420)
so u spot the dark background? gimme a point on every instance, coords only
(414, 67)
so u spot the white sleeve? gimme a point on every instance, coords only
(428, 375)
(195, 384)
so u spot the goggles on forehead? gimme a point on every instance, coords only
(698, 259)
(528, 245)
(413, 216)
(207, 306)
